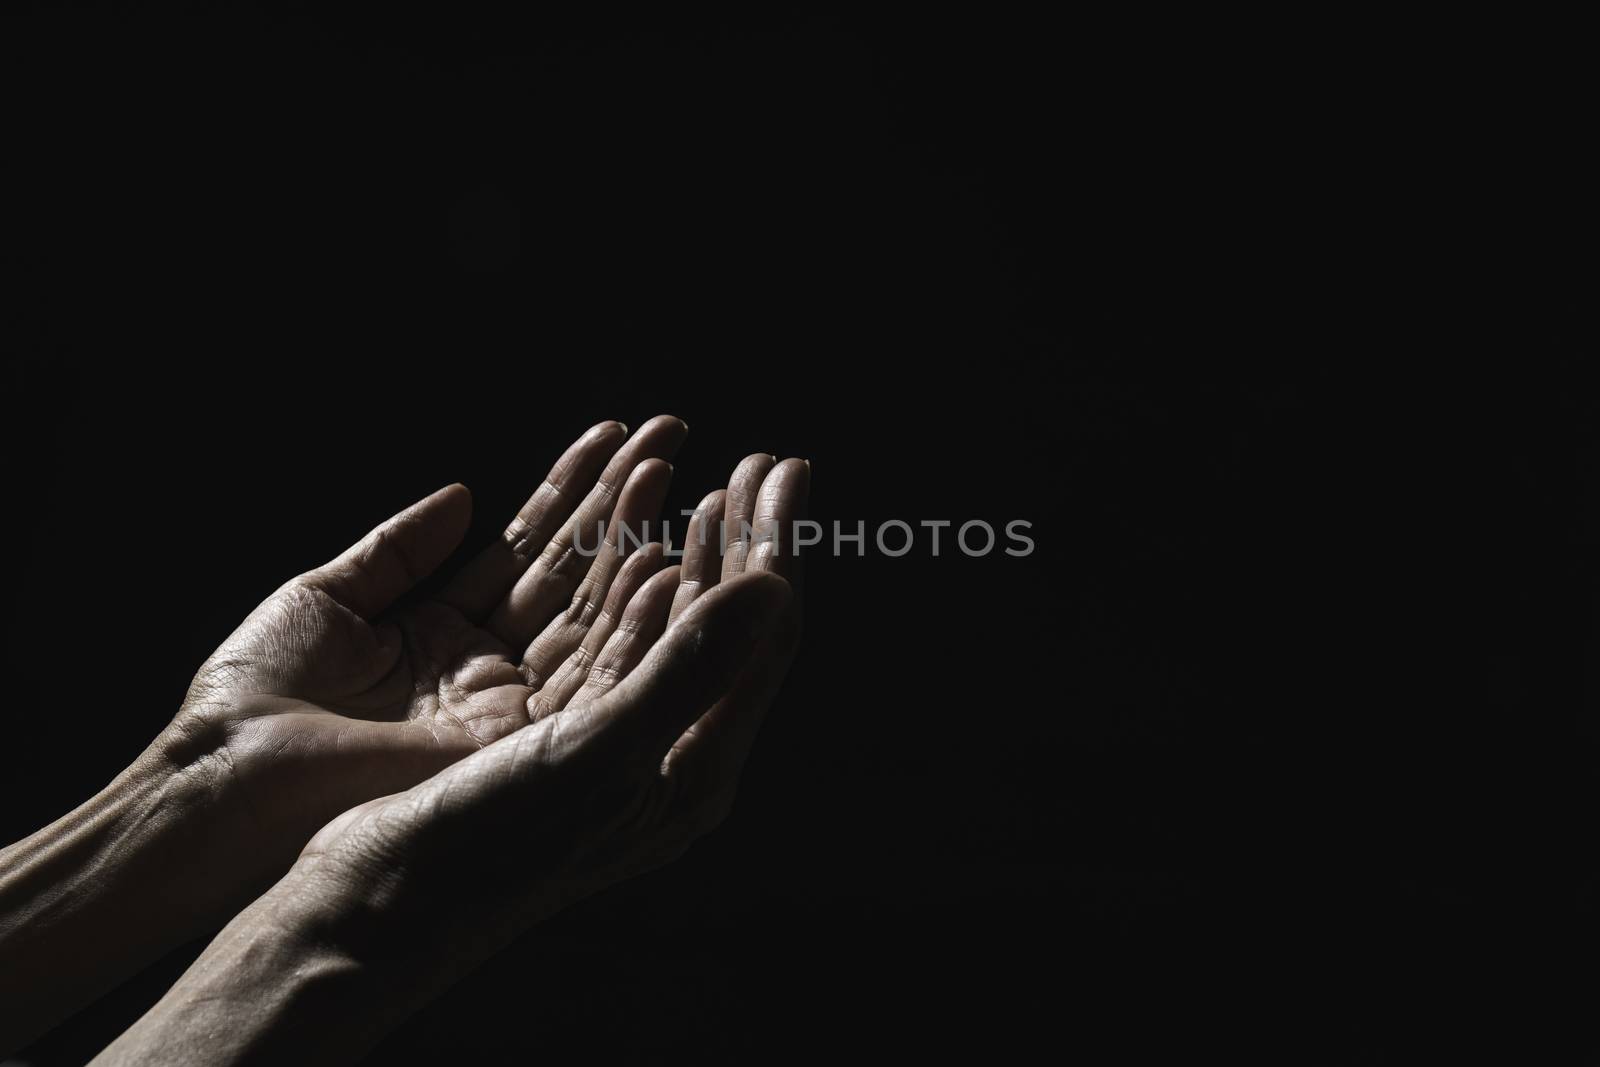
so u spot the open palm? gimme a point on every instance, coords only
(397, 897)
(616, 775)
(328, 695)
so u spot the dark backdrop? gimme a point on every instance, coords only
(1186, 778)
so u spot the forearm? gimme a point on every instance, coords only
(265, 990)
(333, 957)
(312, 972)
(103, 891)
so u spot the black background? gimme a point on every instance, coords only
(1225, 765)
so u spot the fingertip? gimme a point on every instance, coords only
(652, 469)
(668, 424)
(654, 586)
(601, 432)
(711, 506)
(643, 494)
(454, 496)
(757, 463)
(784, 490)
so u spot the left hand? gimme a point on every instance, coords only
(325, 697)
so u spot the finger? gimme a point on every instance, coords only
(706, 760)
(701, 567)
(779, 506)
(641, 626)
(684, 674)
(478, 586)
(378, 569)
(552, 695)
(545, 585)
(739, 512)
(705, 763)
(582, 585)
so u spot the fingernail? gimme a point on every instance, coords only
(808, 467)
(624, 427)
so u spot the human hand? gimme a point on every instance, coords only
(396, 898)
(694, 777)
(329, 694)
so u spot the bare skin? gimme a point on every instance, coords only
(622, 776)
(324, 698)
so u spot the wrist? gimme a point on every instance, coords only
(378, 919)
(66, 891)
(236, 833)
(259, 992)
(192, 750)
(313, 971)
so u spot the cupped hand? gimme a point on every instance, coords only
(634, 752)
(329, 694)
(635, 720)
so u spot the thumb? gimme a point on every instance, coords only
(374, 572)
(698, 660)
